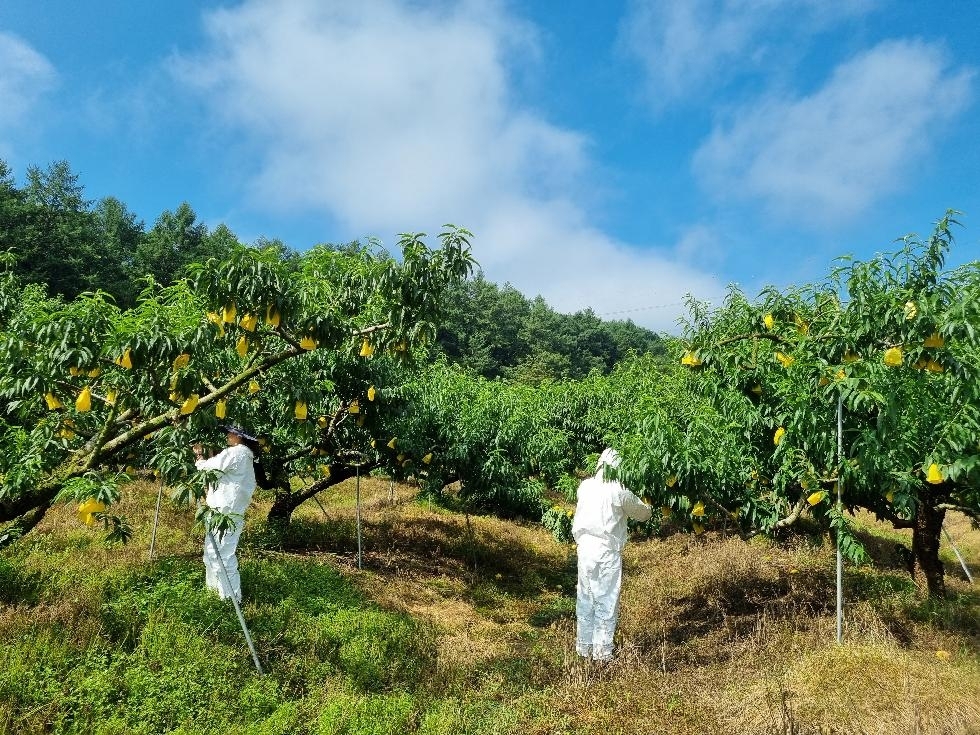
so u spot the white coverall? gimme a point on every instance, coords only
(230, 495)
(599, 528)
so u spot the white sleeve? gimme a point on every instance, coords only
(634, 507)
(223, 461)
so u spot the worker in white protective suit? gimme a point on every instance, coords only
(230, 495)
(599, 528)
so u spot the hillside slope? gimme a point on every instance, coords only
(465, 625)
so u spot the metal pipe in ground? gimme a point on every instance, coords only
(956, 551)
(840, 484)
(156, 520)
(358, 512)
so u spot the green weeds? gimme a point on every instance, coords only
(461, 626)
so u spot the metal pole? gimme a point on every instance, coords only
(840, 483)
(234, 601)
(156, 518)
(359, 557)
(956, 551)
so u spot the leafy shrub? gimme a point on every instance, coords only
(559, 522)
(460, 717)
(375, 649)
(172, 588)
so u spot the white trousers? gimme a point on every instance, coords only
(600, 576)
(214, 576)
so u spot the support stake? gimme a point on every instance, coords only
(956, 551)
(840, 483)
(359, 555)
(156, 519)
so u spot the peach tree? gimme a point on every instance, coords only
(89, 391)
(752, 439)
(510, 448)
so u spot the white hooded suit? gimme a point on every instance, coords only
(599, 528)
(230, 495)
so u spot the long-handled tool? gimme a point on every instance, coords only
(840, 485)
(234, 601)
(360, 556)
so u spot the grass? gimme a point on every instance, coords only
(459, 625)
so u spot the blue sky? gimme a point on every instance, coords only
(612, 155)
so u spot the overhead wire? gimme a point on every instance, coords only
(708, 300)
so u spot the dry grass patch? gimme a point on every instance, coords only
(716, 635)
(859, 688)
(487, 586)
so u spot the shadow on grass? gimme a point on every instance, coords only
(428, 546)
(562, 608)
(742, 604)
(18, 587)
(958, 613)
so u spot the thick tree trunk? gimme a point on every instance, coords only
(37, 498)
(286, 501)
(282, 508)
(23, 525)
(925, 547)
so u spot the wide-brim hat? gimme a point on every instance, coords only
(237, 431)
(609, 457)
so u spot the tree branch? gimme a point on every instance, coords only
(23, 525)
(157, 422)
(337, 476)
(98, 441)
(371, 330)
(792, 517)
(971, 512)
(751, 335)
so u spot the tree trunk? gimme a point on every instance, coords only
(23, 525)
(286, 500)
(283, 505)
(925, 546)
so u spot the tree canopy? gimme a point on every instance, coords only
(89, 388)
(754, 440)
(497, 332)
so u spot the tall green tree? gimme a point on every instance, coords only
(49, 228)
(118, 234)
(176, 240)
(60, 241)
(86, 387)
(896, 339)
(497, 332)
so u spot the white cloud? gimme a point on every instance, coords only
(549, 249)
(25, 76)
(827, 157)
(379, 113)
(700, 245)
(392, 117)
(689, 48)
